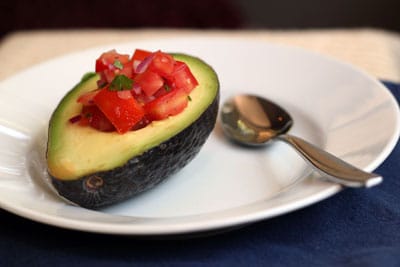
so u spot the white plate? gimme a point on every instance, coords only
(334, 105)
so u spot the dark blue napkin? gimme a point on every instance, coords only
(353, 228)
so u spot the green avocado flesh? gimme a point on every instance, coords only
(95, 169)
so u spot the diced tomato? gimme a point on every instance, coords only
(107, 76)
(127, 70)
(140, 54)
(167, 105)
(149, 82)
(182, 77)
(161, 86)
(91, 115)
(162, 63)
(123, 112)
(87, 98)
(165, 89)
(107, 60)
(108, 67)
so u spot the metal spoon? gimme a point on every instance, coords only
(252, 120)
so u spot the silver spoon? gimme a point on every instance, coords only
(252, 120)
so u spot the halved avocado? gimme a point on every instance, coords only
(95, 169)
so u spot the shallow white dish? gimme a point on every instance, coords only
(333, 105)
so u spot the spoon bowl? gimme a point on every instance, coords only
(252, 120)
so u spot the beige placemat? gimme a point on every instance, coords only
(375, 51)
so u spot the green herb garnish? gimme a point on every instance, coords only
(189, 98)
(118, 64)
(121, 82)
(167, 87)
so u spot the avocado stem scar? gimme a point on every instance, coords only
(94, 182)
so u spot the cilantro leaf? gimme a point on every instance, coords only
(118, 64)
(120, 82)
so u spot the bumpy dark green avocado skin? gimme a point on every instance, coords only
(141, 172)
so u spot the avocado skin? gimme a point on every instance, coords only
(141, 172)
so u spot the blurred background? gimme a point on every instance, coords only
(205, 14)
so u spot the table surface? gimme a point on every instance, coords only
(310, 236)
(375, 51)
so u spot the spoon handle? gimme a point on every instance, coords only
(330, 166)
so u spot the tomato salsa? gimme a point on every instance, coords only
(134, 91)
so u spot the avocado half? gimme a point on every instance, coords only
(95, 169)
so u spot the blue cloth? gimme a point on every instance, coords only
(352, 228)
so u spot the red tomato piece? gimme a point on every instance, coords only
(112, 63)
(86, 99)
(140, 54)
(107, 60)
(123, 112)
(162, 63)
(149, 82)
(167, 105)
(182, 77)
(127, 70)
(109, 75)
